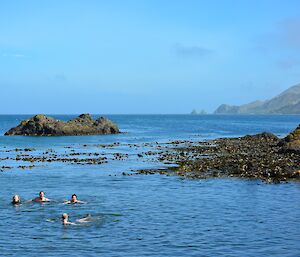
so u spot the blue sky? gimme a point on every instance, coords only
(145, 56)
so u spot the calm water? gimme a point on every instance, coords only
(151, 215)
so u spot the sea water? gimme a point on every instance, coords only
(144, 215)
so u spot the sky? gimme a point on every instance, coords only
(145, 56)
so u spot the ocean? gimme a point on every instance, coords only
(142, 215)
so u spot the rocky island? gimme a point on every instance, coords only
(41, 125)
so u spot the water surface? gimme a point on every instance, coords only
(145, 215)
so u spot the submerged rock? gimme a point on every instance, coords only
(41, 125)
(291, 143)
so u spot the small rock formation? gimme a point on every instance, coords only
(195, 112)
(41, 125)
(291, 143)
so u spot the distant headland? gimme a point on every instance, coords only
(288, 102)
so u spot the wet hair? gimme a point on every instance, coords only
(64, 216)
(74, 195)
(41, 192)
(13, 199)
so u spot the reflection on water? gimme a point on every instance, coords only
(150, 215)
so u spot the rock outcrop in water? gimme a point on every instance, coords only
(41, 125)
(291, 143)
(263, 156)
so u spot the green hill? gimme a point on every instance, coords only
(288, 102)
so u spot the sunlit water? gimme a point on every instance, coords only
(146, 215)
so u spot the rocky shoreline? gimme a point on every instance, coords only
(262, 156)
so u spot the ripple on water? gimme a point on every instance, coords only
(150, 215)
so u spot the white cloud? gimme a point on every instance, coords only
(191, 51)
(14, 55)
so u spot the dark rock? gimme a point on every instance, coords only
(41, 125)
(256, 156)
(291, 143)
(262, 136)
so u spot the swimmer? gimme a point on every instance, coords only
(65, 220)
(16, 199)
(73, 200)
(41, 198)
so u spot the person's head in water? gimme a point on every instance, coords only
(42, 195)
(41, 198)
(16, 199)
(74, 198)
(65, 218)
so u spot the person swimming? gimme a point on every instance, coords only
(16, 199)
(65, 219)
(41, 198)
(73, 200)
